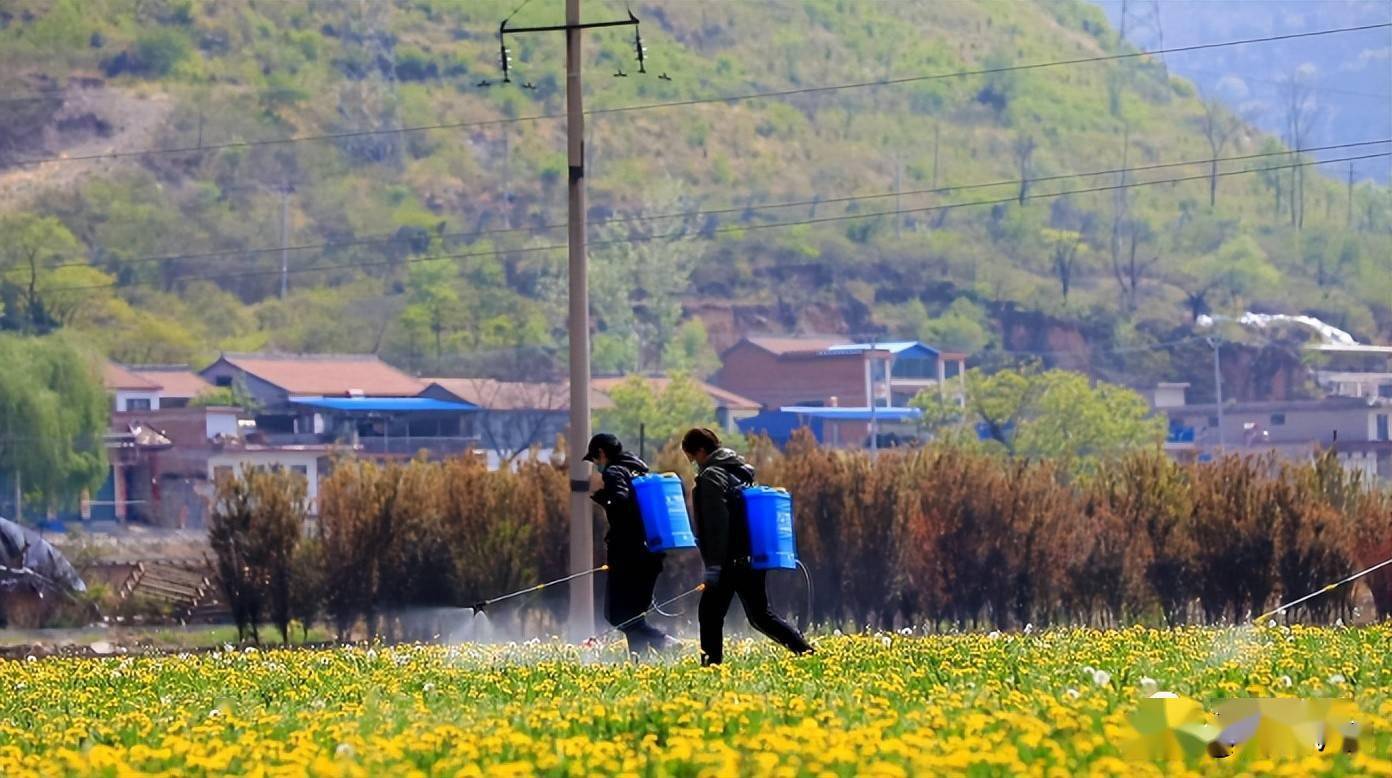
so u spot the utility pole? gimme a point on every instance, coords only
(581, 620)
(1348, 219)
(581, 521)
(1218, 390)
(936, 128)
(871, 393)
(284, 239)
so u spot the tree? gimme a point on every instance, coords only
(255, 530)
(1129, 268)
(690, 351)
(32, 288)
(1218, 126)
(1056, 414)
(1066, 247)
(640, 270)
(1240, 267)
(1298, 101)
(53, 413)
(1024, 159)
(433, 304)
(229, 535)
(279, 499)
(662, 415)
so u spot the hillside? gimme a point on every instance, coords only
(169, 257)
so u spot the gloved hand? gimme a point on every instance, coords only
(712, 575)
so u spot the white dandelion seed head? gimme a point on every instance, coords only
(1102, 678)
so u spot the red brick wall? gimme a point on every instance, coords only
(773, 382)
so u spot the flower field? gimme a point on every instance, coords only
(1048, 703)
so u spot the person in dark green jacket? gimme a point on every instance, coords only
(723, 537)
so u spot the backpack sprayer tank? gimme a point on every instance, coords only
(662, 505)
(769, 513)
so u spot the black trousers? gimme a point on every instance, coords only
(632, 579)
(749, 584)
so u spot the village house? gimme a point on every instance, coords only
(1358, 429)
(356, 400)
(827, 384)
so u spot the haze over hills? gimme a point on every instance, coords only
(436, 248)
(1348, 85)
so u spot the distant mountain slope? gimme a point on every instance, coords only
(1349, 84)
(166, 257)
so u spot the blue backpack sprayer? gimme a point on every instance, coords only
(667, 527)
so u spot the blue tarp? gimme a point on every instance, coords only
(778, 426)
(887, 415)
(384, 404)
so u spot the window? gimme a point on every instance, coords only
(1382, 431)
(137, 403)
(224, 381)
(915, 367)
(1385, 390)
(1213, 421)
(1278, 419)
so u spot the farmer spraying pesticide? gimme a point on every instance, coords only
(633, 569)
(724, 539)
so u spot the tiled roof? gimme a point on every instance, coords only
(790, 345)
(723, 397)
(174, 381)
(328, 374)
(492, 395)
(117, 377)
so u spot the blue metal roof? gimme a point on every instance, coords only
(896, 347)
(384, 404)
(778, 426)
(853, 414)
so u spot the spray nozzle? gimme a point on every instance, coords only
(479, 606)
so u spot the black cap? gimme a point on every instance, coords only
(604, 441)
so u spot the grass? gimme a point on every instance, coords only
(159, 637)
(1051, 703)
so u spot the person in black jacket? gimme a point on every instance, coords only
(723, 537)
(633, 570)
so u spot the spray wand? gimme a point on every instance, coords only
(594, 639)
(1318, 592)
(479, 606)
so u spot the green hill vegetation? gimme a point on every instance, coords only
(84, 242)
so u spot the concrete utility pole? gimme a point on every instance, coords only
(284, 239)
(581, 519)
(1218, 390)
(581, 621)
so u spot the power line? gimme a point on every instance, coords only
(1002, 69)
(391, 238)
(725, 230)
(700, 101)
